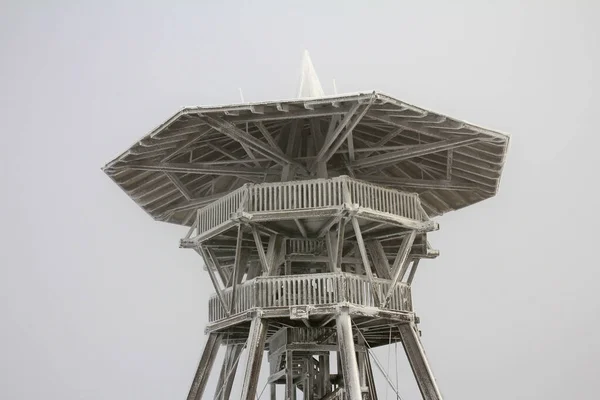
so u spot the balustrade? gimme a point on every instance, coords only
(306, 290)
(308, 195)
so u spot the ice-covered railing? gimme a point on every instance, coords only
(310, 290)
(275, 198)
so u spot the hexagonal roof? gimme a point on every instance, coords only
(201, 153)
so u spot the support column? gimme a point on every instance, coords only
(290, 387)
(347, 354)
(370, 379)
(256, 348)
(204, 367)
(228, 371)
(418, 362)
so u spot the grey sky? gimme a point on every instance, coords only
(98, 302)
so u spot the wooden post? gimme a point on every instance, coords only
(228, 371)
(255, 347)
(204, 366)
(347, 354)
(418, 362)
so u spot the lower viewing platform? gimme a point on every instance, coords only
(294, 296)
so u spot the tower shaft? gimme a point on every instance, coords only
(311, 271)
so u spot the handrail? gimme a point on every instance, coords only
(310, 289)
(219, 211)
(309, 194)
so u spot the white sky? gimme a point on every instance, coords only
(98, 302)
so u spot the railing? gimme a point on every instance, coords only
(296, 195)
(314, 289)
(385, 200)
(304, 246)
(310, 194)
(219, 211)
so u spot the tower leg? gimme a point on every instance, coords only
(370, 379)
(256, 348)
(418, 362)
(290, 387)
(228, 371)
(348, 356)
(204, 367)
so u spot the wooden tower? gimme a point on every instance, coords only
(311, 216)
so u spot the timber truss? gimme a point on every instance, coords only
(203, 153)
(306, 268)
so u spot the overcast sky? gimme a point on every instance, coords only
(98, 302)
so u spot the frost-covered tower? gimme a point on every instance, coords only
(311, 216)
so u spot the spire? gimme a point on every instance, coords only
(309, 81)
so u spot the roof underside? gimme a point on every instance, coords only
(201, 153)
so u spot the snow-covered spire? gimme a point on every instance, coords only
(310, 86)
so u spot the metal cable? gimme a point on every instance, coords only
(377, 363)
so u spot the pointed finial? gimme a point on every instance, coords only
(310, 86)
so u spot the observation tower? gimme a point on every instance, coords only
(311, 216)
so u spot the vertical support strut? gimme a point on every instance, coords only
(418, 362)
(204, 366)
(228, 370)
(370, 378)
(347, 354)
(256, 347)
(290, 387)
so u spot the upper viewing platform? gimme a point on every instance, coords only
(310, 201)
(202, 154)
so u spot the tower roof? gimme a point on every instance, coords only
(202, 152)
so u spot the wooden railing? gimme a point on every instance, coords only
(308, 195)
(296, 195)
(385, 200)
(313, 289)
(220, 210)
(304, 246)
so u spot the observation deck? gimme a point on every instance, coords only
(299, 277)
(300, 296)
(313, 200)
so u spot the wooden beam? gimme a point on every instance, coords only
(236, 268)
(213, 278)
(400, 264)
(227, 154)
(413, 271)
(382, 265)
(417, 183)
(180, 186)
(273, 250)
(187, 144)
(260, 249)
(253, 143)
(261, 127)
(340, 140)
(301, 227)
(449, 164)
(255, 346)
(339, 245)
(414, 151)
(289, 170)
(384, 140)
(350, 147)
(202, 168)
(365, 258)
(250, 154)
(225, 276)
(205, 366)
(295, 114)
(333, 134)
